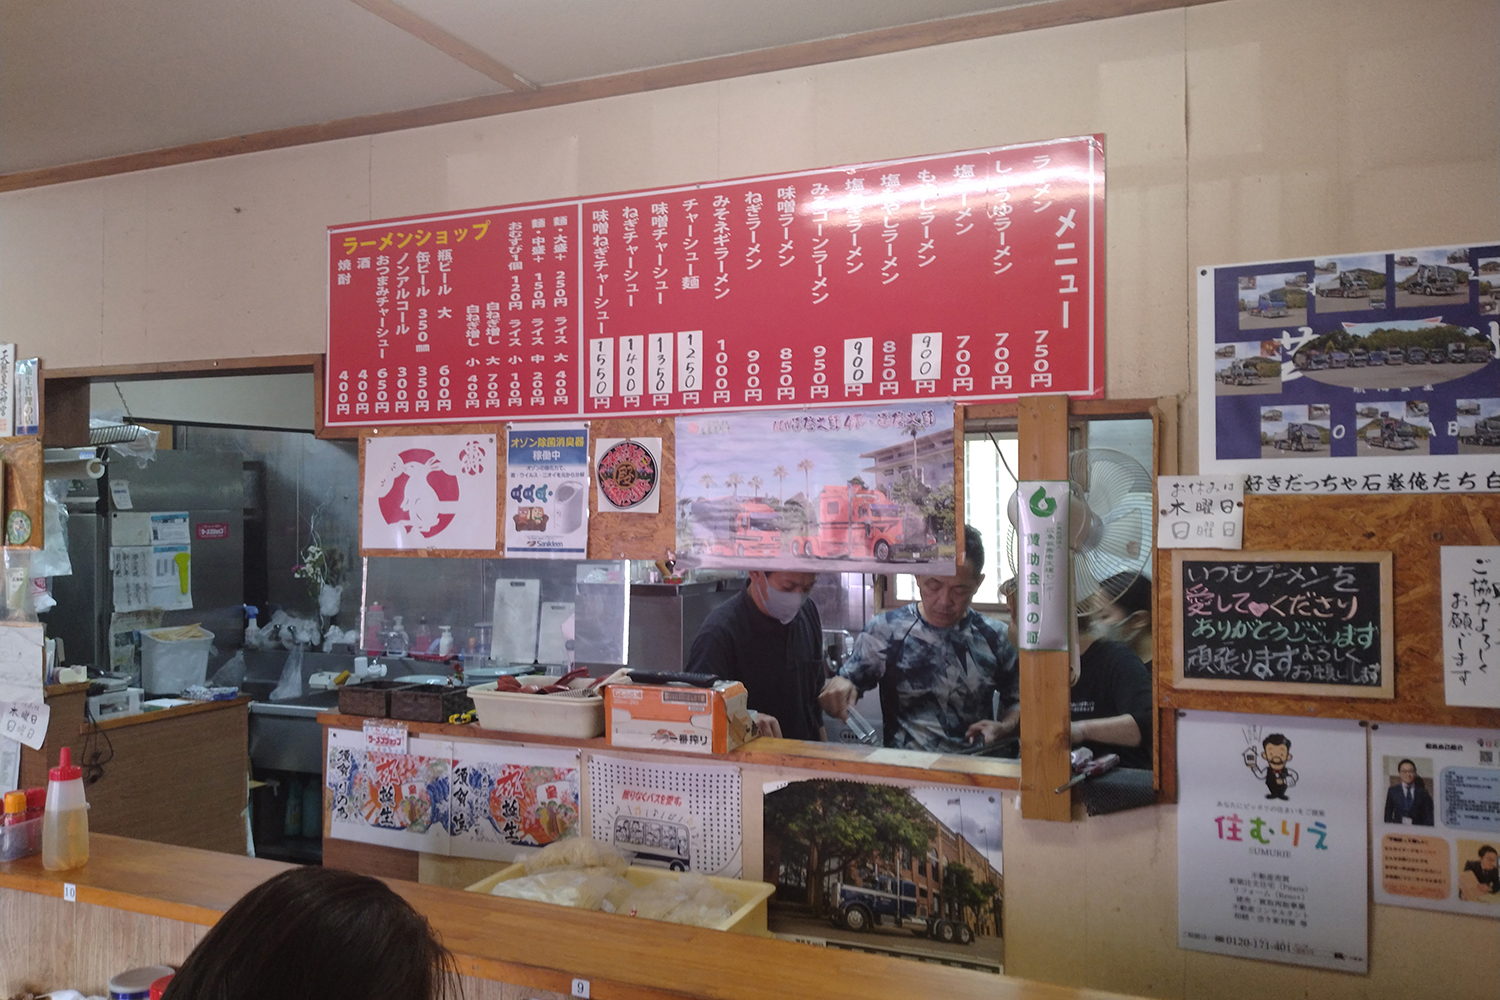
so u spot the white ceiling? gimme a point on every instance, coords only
(86, 79)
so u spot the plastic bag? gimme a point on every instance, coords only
(18, 607)
(232, 673)
(53, 559)
(583, 888)
(577, 852)
(291, 677)
(690, 899)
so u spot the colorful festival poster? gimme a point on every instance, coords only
(1354, 373)
(1435, 818)
(841, 490)
(547, 491)
(508, 801)
(394, 800)
(1271, 844)
(429, 492)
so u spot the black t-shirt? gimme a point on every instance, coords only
(1113, 681)
(1487, 879)
(780, 665)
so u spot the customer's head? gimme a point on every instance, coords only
(945, 599)
(1128, 614)
(318, 932)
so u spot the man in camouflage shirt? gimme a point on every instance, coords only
(948, 662)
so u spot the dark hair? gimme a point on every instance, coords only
(1132, 590)
(1276, 738)
(318, 932)
(1487, 849)
(973, 549)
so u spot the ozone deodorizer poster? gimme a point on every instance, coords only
(1353, 373)
(547, 491)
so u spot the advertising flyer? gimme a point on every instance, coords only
(1271, 843)
(507, 801)
(976, 274)
(1353, 373)
(547, 491)
(628, 474)
(683, 817)
(1435, 818)
(392, 799)
(429, 492)
(839, 490)
(1471, 624)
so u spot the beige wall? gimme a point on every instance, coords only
(1242, 130)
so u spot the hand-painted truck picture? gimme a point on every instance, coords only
(837, 490)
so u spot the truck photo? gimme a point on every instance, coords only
(1416, 356)
(1395, 356)
(1458, 351)
(1349, 286)
(1272, 304)
(1300, 437)
(859, 908)
(1484, 432)
(1359, 357)
(1479, 355)
(856, 522)
(1239, 373)
(1433, 279)
(1317, 361)
(729, 526)
(1338, 359)
(1377, 358)
(1388, 432)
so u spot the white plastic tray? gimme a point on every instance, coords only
(543, 714)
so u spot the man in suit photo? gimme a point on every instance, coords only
(1408, 801)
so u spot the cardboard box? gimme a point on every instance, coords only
(678, 717)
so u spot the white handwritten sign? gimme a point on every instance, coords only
(384, 736)
(1200, 512)
(25, 722)
(20, 662)
(1471, 625)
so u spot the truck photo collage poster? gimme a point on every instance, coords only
(1353, 373)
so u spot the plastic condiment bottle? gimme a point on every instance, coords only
(445, 640)
(36, 802)
(65, 823)
(15, 808)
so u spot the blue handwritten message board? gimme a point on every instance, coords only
(1310, 623)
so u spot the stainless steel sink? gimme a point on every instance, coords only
(285, 735)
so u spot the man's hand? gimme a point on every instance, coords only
(989, 731)
(766, 725)
(838, 695)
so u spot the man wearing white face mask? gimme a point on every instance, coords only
(769, 638)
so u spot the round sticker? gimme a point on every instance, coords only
(18, 528)
(627, 474)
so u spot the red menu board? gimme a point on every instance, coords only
(975, 276)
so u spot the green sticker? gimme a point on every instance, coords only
(18, 528)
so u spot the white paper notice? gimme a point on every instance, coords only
(382, 736)
(1471, 625)
(119, 492)
(170, 528)
(25, 722)
(1200, 512)
(21, 663)
(1272, 851)
(627, 472)
(1435, 815)
(132, 567)
(430, 492)
(171, 577)
(132, 528)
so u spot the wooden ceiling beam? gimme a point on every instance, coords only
(781, 58)
(449, 45)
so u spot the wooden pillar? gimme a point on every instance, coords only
(1042, 427)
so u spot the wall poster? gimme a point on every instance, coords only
(976, 274)
(508, 801)
(1435, 818)
(627, 472)
(429, 492)
(1353, 373)
(839, 490)
(547, 491)
(391, 799)
(1271, 843)
(683, 817)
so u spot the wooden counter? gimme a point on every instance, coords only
(844, 758)
(531, 945)
(178, 775)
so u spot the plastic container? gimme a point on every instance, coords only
(19, 836)
(395, 640)
(445, 640)
(168, 666)
(749, 918)
(542, 714)
(374, 625)
(135, 984)
(65, 822)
